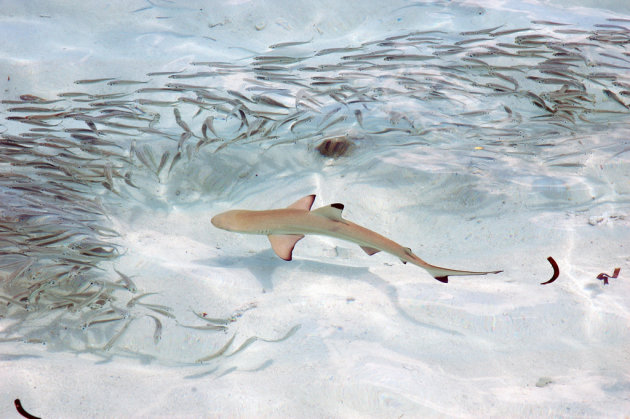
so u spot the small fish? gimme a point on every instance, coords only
(164, 73)
(219, 352)
(91, 125)
(547, 22)
(253, 339)
(299, 122)
(33, 109)
(336, 50)
(268, 101)
(132, 302)
(470, 41)
(91, 81)
(176, 158)
(144, 159)
(616, 98)
(180, 122)
(185, 135)
(125, 82)
(165, 156)
(508, 32)
(117, 336)
(481, 31)
(506, 78)
(409, 57)
(359, 117)
(108, 173)
(157, 335)
(207, 124)
(213, 320)
(289, 44)
(208, 327)
(128, 283)
(32, 98)
(104, 320)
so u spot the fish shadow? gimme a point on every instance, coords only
(363, 274)
(263, 264)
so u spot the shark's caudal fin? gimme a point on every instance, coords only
(442, 274)
(439, 273)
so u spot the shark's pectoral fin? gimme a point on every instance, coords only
(332, 211)
(303, 203)
(370, 250)
(283, 244)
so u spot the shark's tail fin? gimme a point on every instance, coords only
(439, 273)
(442, 274)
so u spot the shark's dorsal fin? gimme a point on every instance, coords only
(303, 203)
(370, 250)
(332, 211)
(283, 244)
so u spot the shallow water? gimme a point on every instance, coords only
(484, 138)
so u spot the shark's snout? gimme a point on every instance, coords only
(218, 221)
(224, 221)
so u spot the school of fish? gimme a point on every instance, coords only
(61, 157)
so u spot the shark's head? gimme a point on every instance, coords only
(229, 220)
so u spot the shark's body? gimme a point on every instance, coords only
(285, 227)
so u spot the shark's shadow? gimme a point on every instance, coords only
(263, 264)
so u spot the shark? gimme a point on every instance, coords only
(286, 226)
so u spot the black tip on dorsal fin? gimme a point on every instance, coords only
(332, 211)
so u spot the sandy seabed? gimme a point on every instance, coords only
(335, 333)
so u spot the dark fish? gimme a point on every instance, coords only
(616, 98)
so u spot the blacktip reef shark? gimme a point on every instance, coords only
(285, 227)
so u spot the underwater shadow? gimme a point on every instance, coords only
(260, 264)
(363, 274)
(263, 264)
